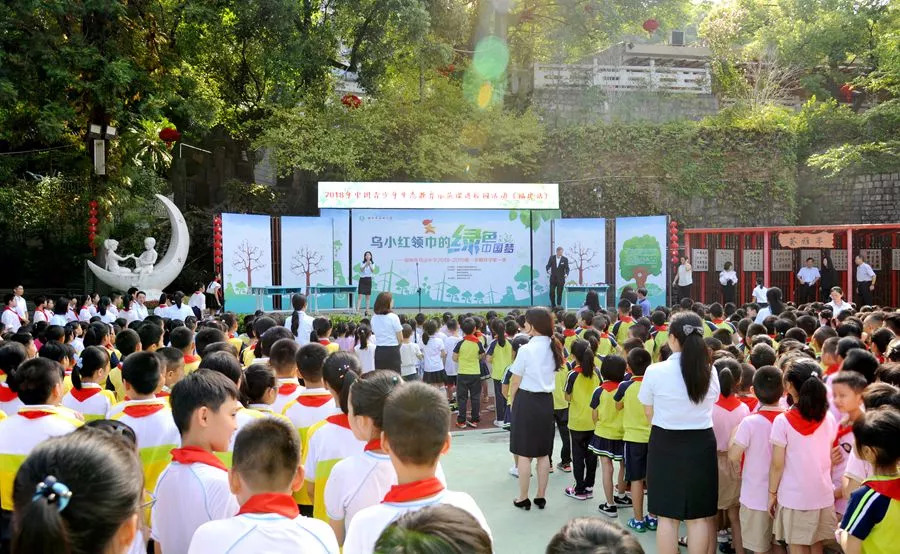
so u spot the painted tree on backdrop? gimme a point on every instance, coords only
(248, 257)
(306, 262)
(640, 257)
(583, 257)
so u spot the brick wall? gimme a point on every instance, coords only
(853, 200)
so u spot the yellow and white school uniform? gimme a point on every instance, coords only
(92, 401)
(252, 413)
(21, 432)
(266, 523)
(192, 490)
(156, 434)
(288, 389)
(330, 441)
(115, 377)
(9, 401)
(369, 523)
(191, 363)
(361, 481)
(310, 407)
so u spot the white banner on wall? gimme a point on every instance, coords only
(467, 196)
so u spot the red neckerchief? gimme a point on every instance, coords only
(189, 358)
(751, 401)
(880, 359)
(718, 321)
(637, 378)
(34, 413)
(772, 337)
(6, 393)
(342, 420)
(832, 369)
(661, 328)
(887, 487)
(313, 400)
(416, 490)
(626, 319)
(196, 455)
(604, 335)
(800, 424)
(610, 386)
(74, 315)
(842, 430)
(479, 334)
(374, 444)
(569, 333)
(471, 338)
(730, 403)
(324, 342)
(84, 393)
(143, 410)
(271, 503)
(8, 309)
(577, 369)
(163, 394)
(770, 414)
(287, 388)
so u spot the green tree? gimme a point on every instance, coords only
(639, 258)
(467, 297)
(453, 292)
(525, 276)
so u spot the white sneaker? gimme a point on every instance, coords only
(498, 423)
(514, 471)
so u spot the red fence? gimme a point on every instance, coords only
(777, 253)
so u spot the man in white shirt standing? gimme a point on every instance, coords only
(759, 293)
(21, 305)
(809, 278)
(865, 281)
(684, 278)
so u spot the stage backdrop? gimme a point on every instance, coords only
(639, 260)
(307, 255)
(246, 259)
(584, 244)
(465, 258)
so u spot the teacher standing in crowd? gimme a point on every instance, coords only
(558, 270)
(684, 278)
(682, 476)
(828, 278)
(531, 401)
(809, 280)
(865, 281)
(728, 279)
(388, 333)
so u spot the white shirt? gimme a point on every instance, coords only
(21, 307)
(304, 327)
(57, 319)
(40, 315)
(213, 287)
(198, 300)
(187, 496)
(365, 270)
(836, 309)
(535, 365)
(264, 533)
(409, 357)
(129, 315)
(759, 294)
(180, 312)
(366, 357)
(108, 317)
(685, 276)
(664, 389)
(726, 277)
(450, 342)
(10, 319)
(385, 327)
(140, 311)
(330, 442)
(84, 314)
(432, 352)
(762, 314)
(864, 273)
(808, 275)
(368, 524)
(162, 311)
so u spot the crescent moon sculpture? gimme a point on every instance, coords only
(165, 271)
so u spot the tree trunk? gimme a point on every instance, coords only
(249, 276)
(640, 276)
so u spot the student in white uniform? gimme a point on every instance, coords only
(365, 349)
(266, 468)
(60, 310)
(197, 302)
(140, 311)
(282, 358)
(85, 308)
(21, 305)
(41, 313)
(332, 440)
(9, 317)
(38, 382)
(178, 309)
(299, 324)
(416, 433)
(91, 510)
(194, 488)
(88, 395)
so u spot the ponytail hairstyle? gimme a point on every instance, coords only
(298, 302)
(687, 329)
(498, 329)
(368, 395)
(730, 374)
(773, 295)
(340, 370)
(177, 299)
(581, 349)
(93, 359)
(430, 328)
(76, 509)
(813, 397)
(96, 334)
(257, 380)
(103, 305)
(362, 336)
(127, 301)
(83, 300)
(541, 320)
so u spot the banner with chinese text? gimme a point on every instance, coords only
(464, 257)
(469, 196)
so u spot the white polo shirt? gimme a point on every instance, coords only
(264, 533)
(187, 496)
(835, 309)
(663, 388)
(534, 364)
(10, 319)
(369, 523)
(759, 295)
(864, 273)
(40, 315)
(808, 275)
(385, 328)
(140, 311)
(288, 389)
(330, 443)
(21, 307)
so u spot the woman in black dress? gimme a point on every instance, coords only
(827, 279)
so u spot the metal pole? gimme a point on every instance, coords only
(849, 264)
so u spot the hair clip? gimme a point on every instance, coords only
(690, 329)
(54, 492)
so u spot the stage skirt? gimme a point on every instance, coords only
(532, 429)
(682, 474)
(365, 286)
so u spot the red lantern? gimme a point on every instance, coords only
(169, 135)
(352, 101)
(650, 25)
(218, 260)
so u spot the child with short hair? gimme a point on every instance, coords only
(321, 333)
(620, 328)
(194, 488)
(331, 440)
(415, 434)
(468, 354)
(88, 395)
(831, 362)
(609, 431)
(847, 394)
(365, 349)
(728, 412)
(570, 321)
(800, 476)
(579, 388)
(450, 340)
(410, 355)
(873, 516)
(659, 334)
(173, 371)
(636, 436)
(592, 534)
(745, 391)
(182, 338)
(438, 528)
(266, 469)
(282, 357)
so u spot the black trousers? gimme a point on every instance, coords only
(556, 292)
(561, 417)
(468, 389)
(728, 293)
(684, 291)
(806, 294)
(862, 289)
(584, 461)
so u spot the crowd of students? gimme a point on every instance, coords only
(289, 437)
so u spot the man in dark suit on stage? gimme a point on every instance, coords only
(558, 270)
